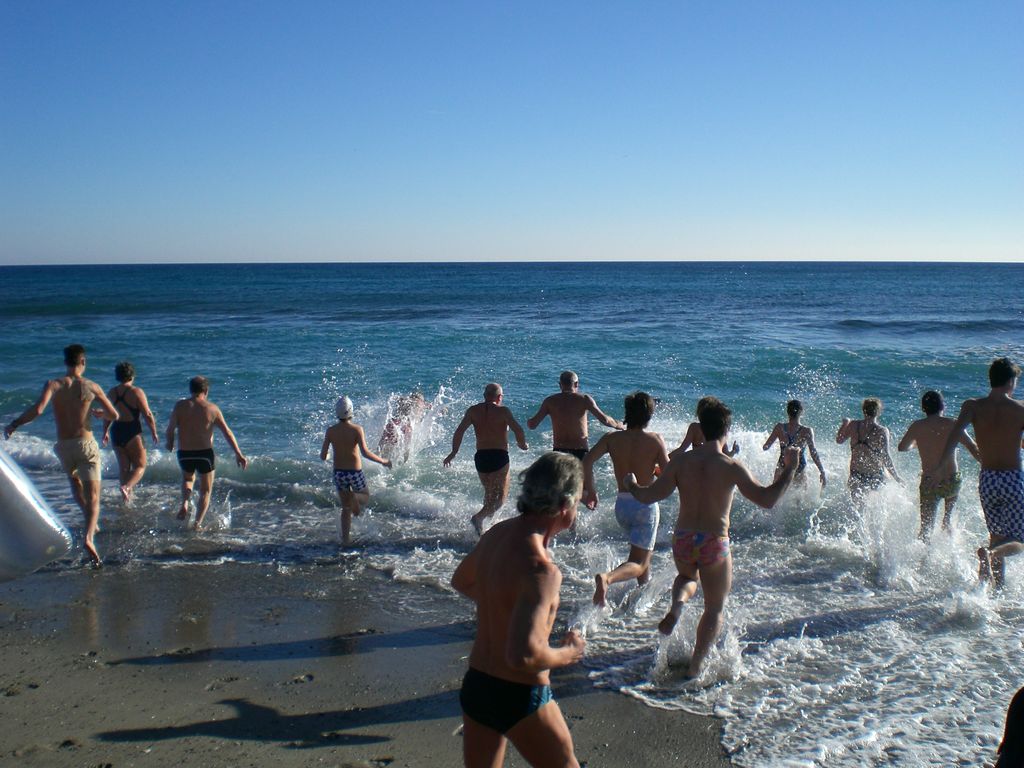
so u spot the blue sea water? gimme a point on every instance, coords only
(847, 641)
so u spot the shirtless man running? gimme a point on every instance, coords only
(76, 446)
(641, 453)
(998, 422)
(706, 479)
(491, 422)
(939, 481)
(568, 410)
(506, 693)
(194, 419)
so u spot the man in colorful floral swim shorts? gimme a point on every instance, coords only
(706, 479)
(998, 422)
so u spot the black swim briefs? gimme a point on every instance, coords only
(196, 461)
(490, 460)
(500, 704)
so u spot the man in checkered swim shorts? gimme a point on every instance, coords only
(998, 422)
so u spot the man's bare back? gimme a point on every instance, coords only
(634, 451)
(568, 410)
(72, 401)
(195, 419)
(998, 422)
(346, 439)
(930, 436)
(491, 424)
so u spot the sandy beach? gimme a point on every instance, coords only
(254, 664)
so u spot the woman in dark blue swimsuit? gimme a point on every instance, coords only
(126, 433)
(796, 435)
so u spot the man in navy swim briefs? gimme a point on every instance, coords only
(194, 419)
(491, 422)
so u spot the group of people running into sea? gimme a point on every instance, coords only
(509, 574)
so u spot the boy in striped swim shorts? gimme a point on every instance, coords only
(348, 442)
(998, 422)
(706, 479)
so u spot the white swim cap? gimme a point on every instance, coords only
(343, 408)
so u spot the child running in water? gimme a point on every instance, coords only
(348, 441)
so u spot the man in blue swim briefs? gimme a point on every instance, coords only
(706, 479)
(491, 422)
(348, 442)
(641, 453)
(998, 422)
(506, 693)
(194, 418)
(568, 409)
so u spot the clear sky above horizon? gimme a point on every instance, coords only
(394, 131)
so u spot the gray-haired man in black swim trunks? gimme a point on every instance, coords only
(509, 575)
(194, 419)
(491, 422)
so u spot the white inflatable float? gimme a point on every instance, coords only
(30, 534)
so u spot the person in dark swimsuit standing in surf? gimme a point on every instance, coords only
(795, 435)
(869, 450)
(126, 432)
(491, 422)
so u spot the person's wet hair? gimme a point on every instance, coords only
(73, 354)
(715, 418)
(199, 385)
(932, 403)
(567, 379)
(124, 371)
(639, 407)
(794, 408)
(552, 482)
(704, 401)
(871, 407)
(1002, 371)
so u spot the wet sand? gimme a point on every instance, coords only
(256, 664)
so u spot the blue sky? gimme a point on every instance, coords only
(394, 131)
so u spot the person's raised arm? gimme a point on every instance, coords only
(528, 648)
(106, 425)
(959, 428)
(106, 411)
(908, 440)
(222, 425)
(516, 430)
(32, 412)
(601, 416)
(363, 449)
(457, 438)
(845, 430)
(767, 496)
(813, 450)
(660, 489)
(147, 414)
(589, 497)
(887, 457)
(772, 438)
(534, 421)
(971, 446)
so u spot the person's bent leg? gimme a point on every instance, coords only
(482, 747)
(135, 452)
(495, 486)
(187, 480)
(947, 515)
(929, 506)
(205, 492)
(1001, 548)
(543, 738)
(717, 581)
(637, 566)
(683, 589)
